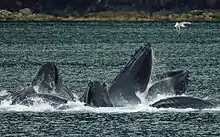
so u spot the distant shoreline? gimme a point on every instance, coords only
(119, 16)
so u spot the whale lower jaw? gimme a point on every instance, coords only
(53, 100)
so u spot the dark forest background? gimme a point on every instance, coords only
(68, 7)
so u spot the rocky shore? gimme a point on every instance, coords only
(193, 15)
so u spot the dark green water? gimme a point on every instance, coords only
(97, 51)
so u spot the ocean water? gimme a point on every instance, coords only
(86, 51)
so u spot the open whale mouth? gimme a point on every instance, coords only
(169, 83)
(52, 100)
(46, 78)
(134, 76)
(177, 73)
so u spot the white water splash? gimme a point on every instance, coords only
(4, 93)
(36, 88)
(80, 107)
(38, 106)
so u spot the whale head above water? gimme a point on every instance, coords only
(96, 95)
(134, 77)
(47, 82)
(172, 83)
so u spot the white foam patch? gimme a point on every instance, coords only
(80, 107)
(217, 109)
(38, 106)
(36, 88)
(4, 93)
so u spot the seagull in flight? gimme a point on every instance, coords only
(179, 25)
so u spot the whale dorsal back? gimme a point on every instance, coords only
(183, 102)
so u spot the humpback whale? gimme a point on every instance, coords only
(96, 95)
(133, 77)
(49, 81)
(182, 102)
(47, 84)
(174, 82)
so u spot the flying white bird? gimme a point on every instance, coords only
(179, 25)
(98, 1)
